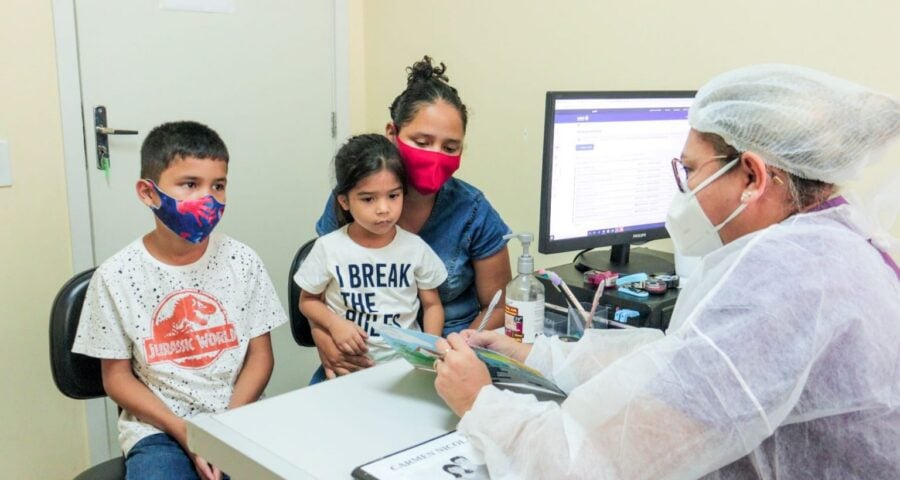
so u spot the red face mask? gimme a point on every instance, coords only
(427, 171)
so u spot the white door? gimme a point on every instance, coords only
(262, 76)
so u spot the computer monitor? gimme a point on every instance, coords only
(607, 178)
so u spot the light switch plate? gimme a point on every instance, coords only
(5, 173)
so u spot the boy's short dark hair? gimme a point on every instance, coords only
(179, 140)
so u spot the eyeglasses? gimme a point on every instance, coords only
(681, 175)
(680, 172)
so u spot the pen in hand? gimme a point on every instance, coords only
(490, 310)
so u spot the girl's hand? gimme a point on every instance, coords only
(335, 362)
(497, 342)
(349, 337)
(460, 374)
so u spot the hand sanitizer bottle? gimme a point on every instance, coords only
(524, 297)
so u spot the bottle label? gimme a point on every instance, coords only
(524, 320)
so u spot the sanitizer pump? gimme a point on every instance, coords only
(524, 297)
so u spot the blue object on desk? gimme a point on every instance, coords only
(633, 278)
(623, 314)
(624, 284)
(633, 292)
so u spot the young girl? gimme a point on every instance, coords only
(370, 271)
(458, 222)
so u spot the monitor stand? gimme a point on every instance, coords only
(623, 260)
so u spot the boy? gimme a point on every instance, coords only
(180, 319)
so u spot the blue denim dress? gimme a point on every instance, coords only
(463, 227)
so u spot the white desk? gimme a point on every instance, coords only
(326, 430)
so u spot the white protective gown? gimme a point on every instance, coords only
(782, 360)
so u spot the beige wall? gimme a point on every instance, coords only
(503, 55)
(43, 434)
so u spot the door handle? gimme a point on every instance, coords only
(115, 131)
(102, 132)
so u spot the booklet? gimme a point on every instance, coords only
(447, 456)
(419, 349)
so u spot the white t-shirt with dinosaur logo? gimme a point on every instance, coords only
(185, 328)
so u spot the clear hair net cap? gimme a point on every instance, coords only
(800, 120)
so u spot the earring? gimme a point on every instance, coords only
(746, 196)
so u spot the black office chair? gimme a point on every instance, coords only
(77, 376)
(299, 323)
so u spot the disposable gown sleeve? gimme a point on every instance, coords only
(571, 364)
(677, 407)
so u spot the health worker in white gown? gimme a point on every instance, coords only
(782, 359)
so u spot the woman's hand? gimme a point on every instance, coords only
(336, 362)
(460, 374)
(497, 342)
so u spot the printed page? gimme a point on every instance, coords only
(513, 375)
(445, 457)
(419, 349)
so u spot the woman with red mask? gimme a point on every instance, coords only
(428, 125)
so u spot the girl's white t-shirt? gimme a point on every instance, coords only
(372, 285)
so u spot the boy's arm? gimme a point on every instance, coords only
(255, 373)
(131, 394)
(348, 336)
(433, 311)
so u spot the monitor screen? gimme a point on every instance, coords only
(607, 177)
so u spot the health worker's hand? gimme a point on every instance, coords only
(460, 374)
(333, 360)
(497, 342)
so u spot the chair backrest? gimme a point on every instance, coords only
(76, 376)
(299, 323)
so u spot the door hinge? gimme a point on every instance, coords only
(333, 124)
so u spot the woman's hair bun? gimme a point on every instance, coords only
(425, 84)
(424, 70)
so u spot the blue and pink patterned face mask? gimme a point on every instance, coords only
(192, 220)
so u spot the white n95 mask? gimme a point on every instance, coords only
(691, 231)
